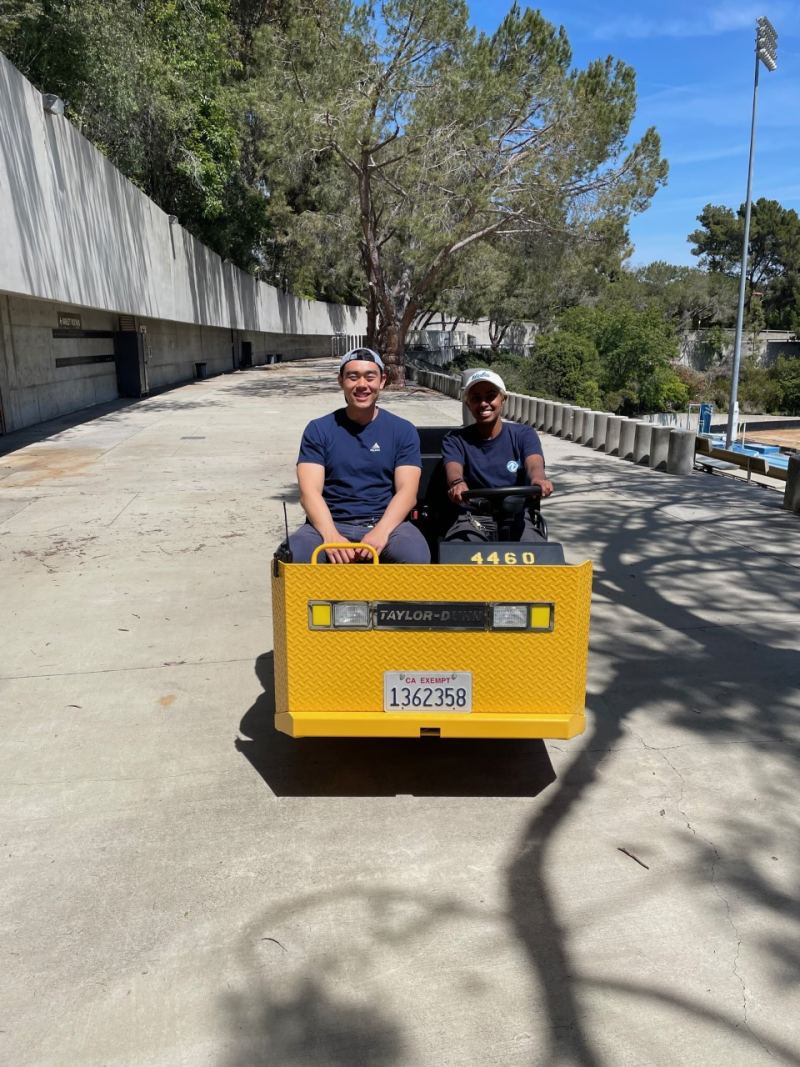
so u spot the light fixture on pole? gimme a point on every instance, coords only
(766, 53)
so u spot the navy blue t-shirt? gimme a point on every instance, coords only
(498, 462)
(359, 461)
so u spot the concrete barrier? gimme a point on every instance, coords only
(680, 452)
(588, 428)
(600, 430)
(540, 414)
(517, 406)
(613, 430)
(641, 443)
(566, 421)
(558, 411)
(525, 414)
(577, 425)
(659, 447)
(547, 424)
(466, 414)
(791, 494)
(567, 416)
(627, 436)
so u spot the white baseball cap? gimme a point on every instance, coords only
(484, 376)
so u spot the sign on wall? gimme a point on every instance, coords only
(68, 320)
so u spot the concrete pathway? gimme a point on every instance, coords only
(184, 886)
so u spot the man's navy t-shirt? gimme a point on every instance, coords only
(497, 462)
(359, 461)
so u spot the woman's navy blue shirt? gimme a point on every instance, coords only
(497, 462)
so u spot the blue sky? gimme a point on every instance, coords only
(694, 65)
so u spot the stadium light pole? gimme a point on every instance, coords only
(766, 53)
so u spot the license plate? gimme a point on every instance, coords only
(427, 691)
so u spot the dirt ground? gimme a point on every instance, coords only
(790, 438)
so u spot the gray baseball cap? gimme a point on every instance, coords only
(365, 354)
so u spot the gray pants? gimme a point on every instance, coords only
(405, 545)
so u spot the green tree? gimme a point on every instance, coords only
(785, 379)
(636, 351)
(157, 86)
(531, 279)
(564, 366)
(774, 247)
(782, 302)
(449, 137)
(692, 299)
(716, 343)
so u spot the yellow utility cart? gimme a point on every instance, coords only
(492, 641)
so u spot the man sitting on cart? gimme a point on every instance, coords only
(491, 454)
(358, 472)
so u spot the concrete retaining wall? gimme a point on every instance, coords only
(78, 237)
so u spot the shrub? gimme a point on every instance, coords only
(563, 366)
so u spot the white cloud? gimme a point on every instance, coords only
(714, 106)
(723, 18)
(707, 155)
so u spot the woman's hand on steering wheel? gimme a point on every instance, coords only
(545, 485)
(455, 491)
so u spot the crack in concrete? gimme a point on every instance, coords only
(715, 857)
(689, 744)
(126, 670)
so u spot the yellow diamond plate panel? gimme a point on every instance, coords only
(518, 673)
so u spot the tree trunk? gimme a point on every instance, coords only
(394, 342)
(497, 334)
(371, 339)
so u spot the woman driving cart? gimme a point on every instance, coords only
(491, 454)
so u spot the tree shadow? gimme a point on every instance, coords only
(703, 673)
(307, 1026)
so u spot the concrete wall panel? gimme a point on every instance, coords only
(77, 236)
(76, 231)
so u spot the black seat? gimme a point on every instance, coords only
(431, 437)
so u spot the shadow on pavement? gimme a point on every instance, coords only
(689, 635)
(310, 1026)
(655, 565)
(376, 767)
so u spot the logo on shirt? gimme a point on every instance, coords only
(376, 447)
(512, 466)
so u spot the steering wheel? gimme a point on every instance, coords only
(534, 491)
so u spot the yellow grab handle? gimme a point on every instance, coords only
(345, 544)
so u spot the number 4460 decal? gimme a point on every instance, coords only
(509, 558)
